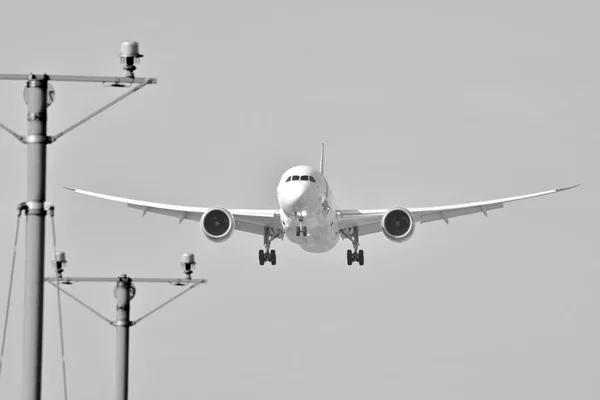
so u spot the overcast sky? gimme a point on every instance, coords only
(418, 103)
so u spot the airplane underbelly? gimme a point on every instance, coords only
(321, 233)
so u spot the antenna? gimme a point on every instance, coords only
(322, 158)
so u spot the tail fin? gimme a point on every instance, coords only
(322, 158)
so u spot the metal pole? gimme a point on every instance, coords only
(124, 292)
(34, 266)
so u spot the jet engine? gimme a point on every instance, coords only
(398, 224)
(217, 224)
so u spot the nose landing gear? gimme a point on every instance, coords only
(356, 255)
(298, 230)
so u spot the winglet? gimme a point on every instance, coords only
(321, 168)
(568, 188)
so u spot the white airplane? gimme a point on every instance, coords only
(308, 216)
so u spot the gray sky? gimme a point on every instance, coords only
(419, 104)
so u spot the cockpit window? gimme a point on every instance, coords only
(301, 178)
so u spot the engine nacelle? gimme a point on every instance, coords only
(398, 224)
(217, 224)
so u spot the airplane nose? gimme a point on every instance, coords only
(294, 198)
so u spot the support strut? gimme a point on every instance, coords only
(267, 239)
(355, 242)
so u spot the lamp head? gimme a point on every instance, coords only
(130, 55)
(60, 259)
(188, 264)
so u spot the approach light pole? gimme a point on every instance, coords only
(124, 292)
(39, 95)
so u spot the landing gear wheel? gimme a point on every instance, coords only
(361, 257)
(297, 231)
(261, 257)
(349, 257)
(273, 257)
(304, 231)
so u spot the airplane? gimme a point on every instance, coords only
(309, 217)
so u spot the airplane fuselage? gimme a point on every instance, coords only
(308, 205)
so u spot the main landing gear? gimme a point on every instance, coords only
(268, 254)
(356, 255)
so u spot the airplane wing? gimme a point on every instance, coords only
(369, 221)
(251, 221)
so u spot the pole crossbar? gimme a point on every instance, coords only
(76, 78)
(51, 139)
(176, 281)
(56, 281)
